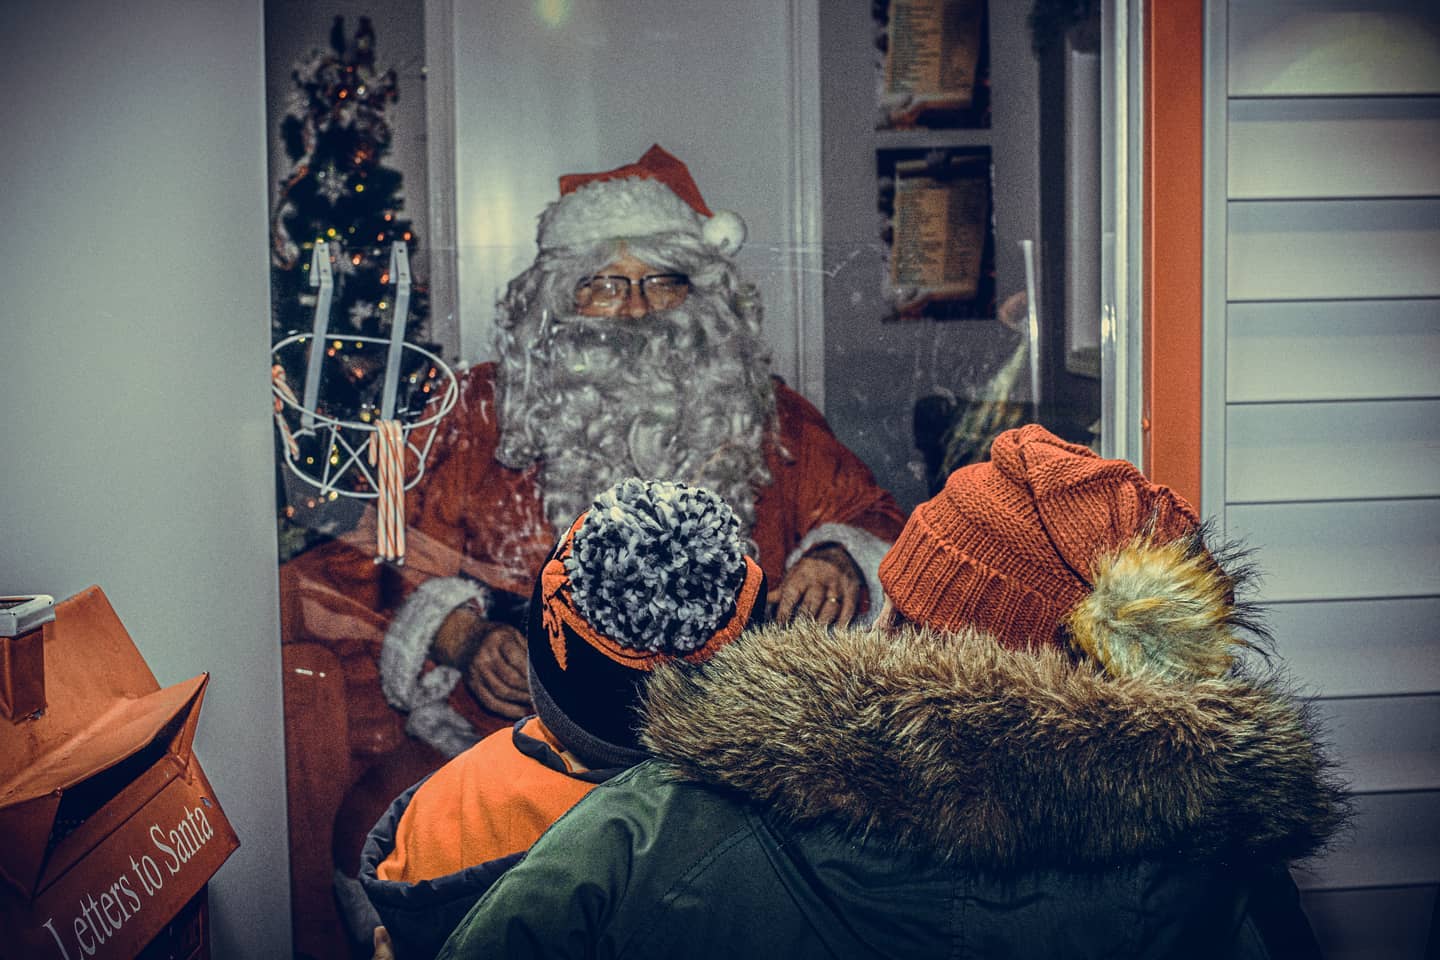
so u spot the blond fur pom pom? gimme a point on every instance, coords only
(1165, 609)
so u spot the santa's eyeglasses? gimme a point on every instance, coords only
(660, 291)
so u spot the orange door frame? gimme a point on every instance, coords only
(1173, 179)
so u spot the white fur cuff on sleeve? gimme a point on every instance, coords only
(403, 678)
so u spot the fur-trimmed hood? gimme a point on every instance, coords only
(999, 758)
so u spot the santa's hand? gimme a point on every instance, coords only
(492, 658)
(824, 584)
(497, 673)
(384, 949)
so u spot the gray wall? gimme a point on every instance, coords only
(135, 452)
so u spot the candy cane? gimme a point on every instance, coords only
(282, 387)
(379, 457)
(387, 455)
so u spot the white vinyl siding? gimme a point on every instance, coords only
(1373, 923)
(1342, 549)
(1333, 249)
(1286, 451)
(1395, 842)
(1352, 648)
(1337, 138)
(1392, 743)
(1340, 350)
(1322, 409)
(1353, 48)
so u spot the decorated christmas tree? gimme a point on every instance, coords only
(338, 189)
(339, 197)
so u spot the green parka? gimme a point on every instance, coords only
(857, 794)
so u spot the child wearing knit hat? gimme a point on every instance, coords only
(1048, 748)
(1048, 544)
(652, 572)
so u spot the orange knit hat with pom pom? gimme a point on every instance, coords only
(1009, 545)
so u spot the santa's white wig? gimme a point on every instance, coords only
(683, 394)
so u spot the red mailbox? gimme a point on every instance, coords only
(111, 827)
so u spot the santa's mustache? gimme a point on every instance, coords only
(581, 349)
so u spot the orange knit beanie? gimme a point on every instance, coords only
(1008, 545)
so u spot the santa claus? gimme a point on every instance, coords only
(630, 347)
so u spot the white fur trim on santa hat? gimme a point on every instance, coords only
(632, 207)
(866, 549)
(613, 209)
(407, 684)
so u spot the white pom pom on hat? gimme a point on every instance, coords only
(725, 231)
(654, 195)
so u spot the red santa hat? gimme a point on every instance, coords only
(654, 195)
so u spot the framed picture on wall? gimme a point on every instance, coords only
(933, 63)
(937, 227)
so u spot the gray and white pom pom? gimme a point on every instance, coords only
(656, 565)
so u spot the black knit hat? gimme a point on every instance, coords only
(652, 572)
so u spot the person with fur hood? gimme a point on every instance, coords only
(1055, 746)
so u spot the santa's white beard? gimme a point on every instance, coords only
(658, 398)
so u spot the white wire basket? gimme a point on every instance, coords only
(340, 463)
(352, 458)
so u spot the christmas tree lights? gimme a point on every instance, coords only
(340, 200)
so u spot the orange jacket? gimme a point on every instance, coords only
(493, 800)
